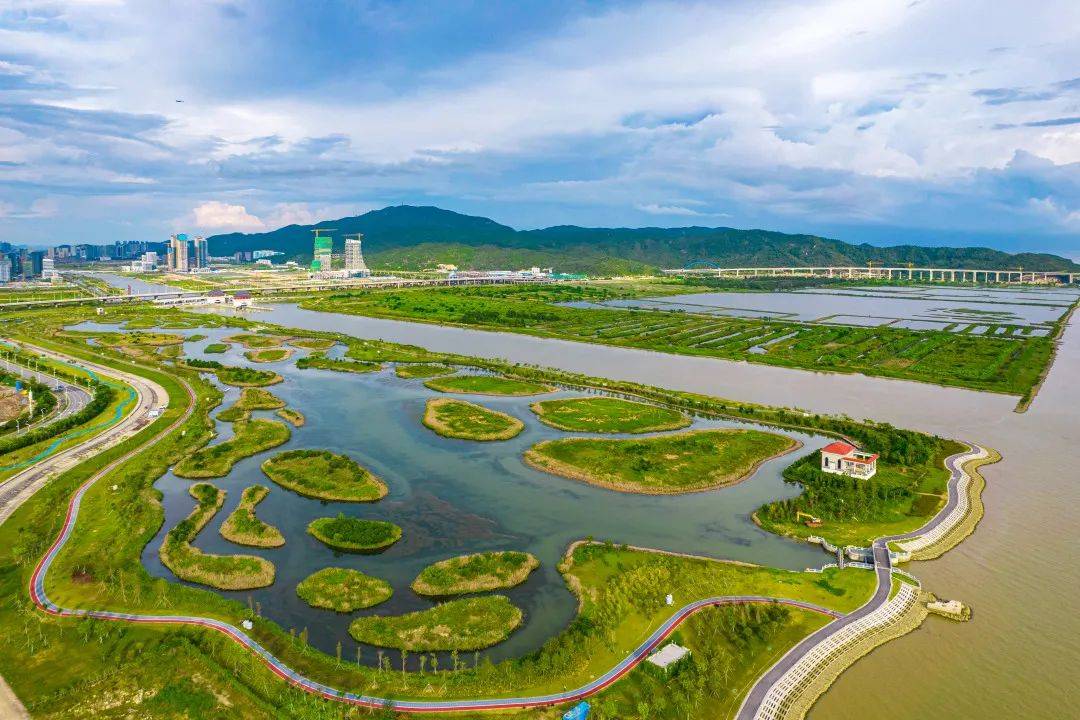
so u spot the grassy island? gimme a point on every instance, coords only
(608, 415)
(251, 438)
(243, 528)
(268, 355)
(324, 475)
(343, 590)
(685, 462)
(475, 573)
(468, 421)
(215, 348)
(487, 385)
(467, 624)
(293, 417)
(351, 534)
(422, 370)
(318, 361)
(227, 572)
(313, 343)
(247, 377)
(251, 399)
(256, 340)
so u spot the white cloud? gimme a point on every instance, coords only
(215, 215)
(656, 209)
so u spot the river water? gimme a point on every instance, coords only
(1019, 571)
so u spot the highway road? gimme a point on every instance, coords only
(70, 398)
(882, 567)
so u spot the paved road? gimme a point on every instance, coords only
(882, 568)
(70, 398)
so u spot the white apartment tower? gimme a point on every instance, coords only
(354, 255)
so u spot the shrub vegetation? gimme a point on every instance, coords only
(244, 528)
(343, 590)
(324, 475)
(351, 534)
(467, 624)
(475, 573)
(226, 572)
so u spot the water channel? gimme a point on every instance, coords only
(1019, 571)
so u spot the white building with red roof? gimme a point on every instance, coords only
(843, 458)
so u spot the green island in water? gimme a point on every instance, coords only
(684, 462)
(466, 624)
(226, 572)
(343, 590)
(487, 385)
(324, 475)
(475, 573)
(350, 534)
(608, 415)
(468, 421)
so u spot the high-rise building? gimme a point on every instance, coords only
(200, 258)
(178, 247)
(5, 269)
(36, 266)
(354, 255)
(322, 259)
(48, 269)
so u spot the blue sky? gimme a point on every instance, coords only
(932, 122)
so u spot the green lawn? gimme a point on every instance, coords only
(251, 438)
(608, 415)
(215, 348)
(475, 573)
(683, 462)
(244, 528)
(343, 590)
(351, 534)
(227, 572)
(487, 385)
(324, 475)
(422, 370)
(268, 355)
(468, 421)
(468, 624)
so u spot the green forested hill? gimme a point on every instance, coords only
(412, 237)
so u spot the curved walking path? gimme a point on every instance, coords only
(40, 598)
(749, 709)
(754, 705)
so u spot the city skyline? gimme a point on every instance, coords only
(823, 118)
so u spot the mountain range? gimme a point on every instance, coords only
(412, 238)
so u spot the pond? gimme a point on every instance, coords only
(920, 308)
(453, 497)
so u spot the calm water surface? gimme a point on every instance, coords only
(1019, 571)
(453, 497)
(916, 308)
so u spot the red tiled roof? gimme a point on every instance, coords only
(839, 448)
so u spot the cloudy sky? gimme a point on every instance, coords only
(932, 121)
